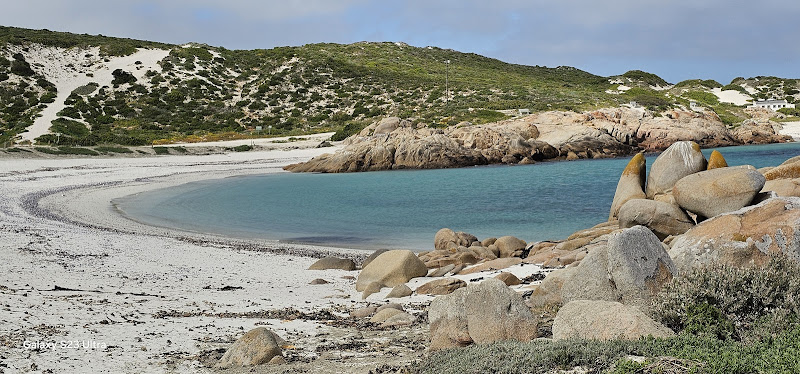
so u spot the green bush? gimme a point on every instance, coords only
(649, 78)
(86, 89)
(108, 149)
(69, 127)
(67, 151)
(121, 77)
(161, 150)
(743, 296)
(242, 148)
(735, 87)
(348, 130)
(702, 97)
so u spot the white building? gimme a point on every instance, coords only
(771, 104)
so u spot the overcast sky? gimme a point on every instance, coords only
(676, 39)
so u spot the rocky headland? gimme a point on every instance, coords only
(395, 143)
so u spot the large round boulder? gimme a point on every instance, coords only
(789, 170)
(631, 268)
(258, 346)
(605, 320)
(630, 185)
(664, 219)
(713, 192)
(391, 268)
(676, 162)
(510, 246)
(485, 312)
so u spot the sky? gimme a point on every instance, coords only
(675, 39)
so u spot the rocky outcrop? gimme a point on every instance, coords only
(713, 192)
(258, 346)
(789, 170)
(391, 269)
(742, 238)
(480, 313)
(393, 143)
(759, 131)
(605, 320)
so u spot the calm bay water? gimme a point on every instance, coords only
(404, 209)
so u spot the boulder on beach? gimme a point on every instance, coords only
(485, 312)
(401, 290)
(713, 192)
(632, 267)
(676, 162)
(390, 269)
(605, 320)
(258, 346)
(630, 185)
(333, 263)
(663, 218)
(742, 238)
(384, 314)
(510, 246)
(372, 256)
(441, 286)
(783, 187)
(508, 278)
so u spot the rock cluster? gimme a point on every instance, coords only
(395, 143)
(455, 250)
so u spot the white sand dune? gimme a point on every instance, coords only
(83, 61)
(732, 96)
(792, 129)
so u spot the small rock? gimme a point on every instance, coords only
(400, 319)
(333, 263)
(258, 346)
(440, 272)
(363, 312)
(441, 286)
(605, 320)
(508, 278)
(716, 161)
(383, 315)
(400, 290)
(391, 306)
(318, 281)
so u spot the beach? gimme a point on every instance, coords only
(86, 290)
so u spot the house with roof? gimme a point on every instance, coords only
(771, 104)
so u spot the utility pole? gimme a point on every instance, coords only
(446, 82)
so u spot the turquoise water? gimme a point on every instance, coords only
(404, 209)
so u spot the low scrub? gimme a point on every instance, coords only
(67, 151)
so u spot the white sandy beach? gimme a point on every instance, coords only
(87, 290)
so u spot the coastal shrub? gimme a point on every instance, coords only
(21, 67)
(121, 77)
(730, 302)
(86, 89)
(180, 149)
(649, 78)
(735, 87)
(694, 354)
(790, 111)
(67, 151)
(709, 83)
(702, 97)
(242, 148)
(109, 149)
(348, 130)
(69, 127)
(161, 150)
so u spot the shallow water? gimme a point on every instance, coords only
(404, 209)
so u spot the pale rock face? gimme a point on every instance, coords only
(256, 347)
(783, 187)
(605, 320)
(391, 269)
(790, 170)
(441, 286)
(713, 192)
(630, 185)
(663, 218)
(678, 161)
(480, 313)
(632, 267)
(742, 238)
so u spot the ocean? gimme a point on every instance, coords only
(404, 209)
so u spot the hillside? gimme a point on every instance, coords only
(86, 90)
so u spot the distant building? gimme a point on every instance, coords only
(771, 104)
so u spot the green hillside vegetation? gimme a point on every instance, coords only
(210, 93)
